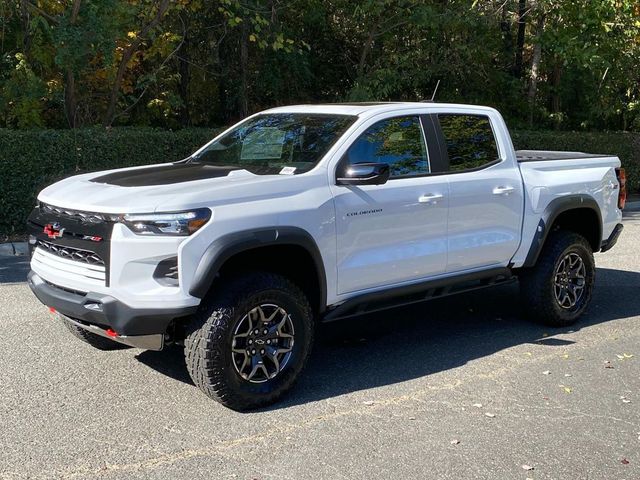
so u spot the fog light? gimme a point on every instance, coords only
(166, 272)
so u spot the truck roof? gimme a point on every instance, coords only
(360, 108)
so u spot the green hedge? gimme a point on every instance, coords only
(624, 145)
(32, 159)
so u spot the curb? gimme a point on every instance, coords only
(14, 249)
(632, 206)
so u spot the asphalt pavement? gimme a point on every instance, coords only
(459, 388)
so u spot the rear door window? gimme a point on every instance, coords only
(469, 141)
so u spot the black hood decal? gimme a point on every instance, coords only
(164, 174)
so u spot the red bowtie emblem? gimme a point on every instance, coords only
(53, 230)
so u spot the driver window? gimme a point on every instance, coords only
(398, 142)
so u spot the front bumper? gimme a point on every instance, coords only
(99, 313)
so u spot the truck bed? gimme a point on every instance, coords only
(545, 155)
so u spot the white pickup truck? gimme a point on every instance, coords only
(306, 214)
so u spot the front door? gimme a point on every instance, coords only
(395, 232)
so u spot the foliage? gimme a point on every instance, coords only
(33, 159)
(172, 63)
(624, 145)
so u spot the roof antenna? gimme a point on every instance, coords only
(435, 90)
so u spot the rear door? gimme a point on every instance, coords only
(395, 232)
(485, 193)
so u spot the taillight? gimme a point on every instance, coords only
(622, 193)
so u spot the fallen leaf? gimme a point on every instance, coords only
(565, 356)
(490, 415)
(455, 442)
(624, 461)
(527, 467)
(568, 375)
(412, 418)
(627, 355)
(546, 372)
(528, 354)
(369, 402)
(566, 389)
(477, 405)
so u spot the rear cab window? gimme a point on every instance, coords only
(469, 141)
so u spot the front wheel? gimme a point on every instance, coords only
(558, 289)
(250, 340)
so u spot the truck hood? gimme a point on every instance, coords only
(167, 187)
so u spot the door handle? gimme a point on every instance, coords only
(430, 198)
(503, 190)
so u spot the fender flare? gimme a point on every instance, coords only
(225, 247)
(549, 216)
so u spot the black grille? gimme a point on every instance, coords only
(86, 236)
(70, 253)
(65, 289)
(84, 217)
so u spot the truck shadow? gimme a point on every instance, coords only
(406, 343)
(14, 269)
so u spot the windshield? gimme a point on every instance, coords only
(287, 143)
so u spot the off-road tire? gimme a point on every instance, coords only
(209, 338)
(537, 283)
(92, 339)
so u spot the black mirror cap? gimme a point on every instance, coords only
(364, 174)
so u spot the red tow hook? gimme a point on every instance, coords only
(52, 310)
(111, 333)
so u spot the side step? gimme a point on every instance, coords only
(417, 293)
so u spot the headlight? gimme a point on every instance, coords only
(172, 223)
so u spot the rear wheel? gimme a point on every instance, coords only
(249, 342)
(92, 339)
(558, 289)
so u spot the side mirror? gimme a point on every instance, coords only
(364, 174)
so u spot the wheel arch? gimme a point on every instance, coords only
(576, 213)
(290, 251)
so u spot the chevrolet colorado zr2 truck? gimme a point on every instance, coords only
(306, 214)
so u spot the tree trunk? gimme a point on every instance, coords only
(555, 94)
(243, 98)
(535, 68)
(70, 101)
(185, 78)
(507, 38)
(522, 27)
(366, 48)
(24, 16)
(127, 54)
